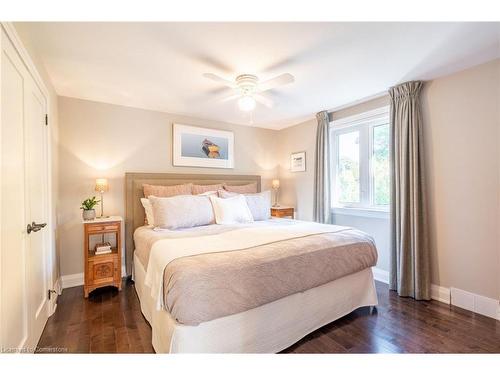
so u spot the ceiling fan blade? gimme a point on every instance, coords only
(216, 78)
(263, 100)
(229, 98)
(282, 79)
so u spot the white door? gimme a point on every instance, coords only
(36, 208)
(24, 196)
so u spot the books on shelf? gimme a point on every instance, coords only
(103, 248)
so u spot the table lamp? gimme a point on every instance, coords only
(276, 187)
(101, 186)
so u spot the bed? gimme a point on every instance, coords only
(248, 288)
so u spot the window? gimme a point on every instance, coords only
(360, 160)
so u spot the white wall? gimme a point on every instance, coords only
(104, 140)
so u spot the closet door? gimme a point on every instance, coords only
(24, 197)
(36, 208)
(14, 327)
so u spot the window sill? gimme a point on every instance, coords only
(363, 212)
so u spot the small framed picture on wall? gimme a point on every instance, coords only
(298, 162)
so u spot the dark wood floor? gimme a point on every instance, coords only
(110, 322)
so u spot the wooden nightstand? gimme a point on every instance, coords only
(104, 269)
(282, 211)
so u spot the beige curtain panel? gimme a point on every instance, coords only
(410, 273)
(322, 207)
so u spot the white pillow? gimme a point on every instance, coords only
(148, 209)
(208, 193)
(182, 211)
(259, 203)
(231, 210)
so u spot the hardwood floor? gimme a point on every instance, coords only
(111, 322)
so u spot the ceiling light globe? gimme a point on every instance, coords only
(246, 103)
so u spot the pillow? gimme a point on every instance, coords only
(148, 209)
(207, 193)
(231, 210)
(182, 211)
(259, 204)
(199, 189)
(242, 189)
(166, 191)
(225, 194)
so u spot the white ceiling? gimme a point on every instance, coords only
(159, 66)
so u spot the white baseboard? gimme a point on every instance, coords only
(76, 279)
(440, 293)
(380, 275)
(475, 302)
(453, 296)
(69, 281)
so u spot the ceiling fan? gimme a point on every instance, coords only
(249, 89)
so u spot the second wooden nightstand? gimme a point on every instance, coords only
(104, 269)
(282, 211)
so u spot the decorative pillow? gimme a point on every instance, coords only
(148, 209)
(259, 204)
(242, 189)
(200, 189)
(231, 210)
(166, 191)
(182, 211)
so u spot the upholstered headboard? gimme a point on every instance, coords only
(134, 212)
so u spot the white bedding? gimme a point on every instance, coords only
(168, 249)
(267, 328)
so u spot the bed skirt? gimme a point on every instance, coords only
(269, 328)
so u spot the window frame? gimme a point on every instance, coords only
(365, 124)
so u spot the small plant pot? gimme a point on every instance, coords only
(88, 214)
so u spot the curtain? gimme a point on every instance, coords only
(410, 273)
(322, 170)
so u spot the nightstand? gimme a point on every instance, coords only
(282, 211)
(103, 269)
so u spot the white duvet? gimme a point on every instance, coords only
(166, 250)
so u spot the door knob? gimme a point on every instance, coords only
(34, 227)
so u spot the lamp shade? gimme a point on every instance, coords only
(101, 185)
(276, 184)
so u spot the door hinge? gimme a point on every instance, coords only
(50, 291)
(46, 119)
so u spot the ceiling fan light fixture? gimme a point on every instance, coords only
(246, 103)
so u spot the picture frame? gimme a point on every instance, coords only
(202, 147)
(298, 162)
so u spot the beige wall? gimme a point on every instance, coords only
(107, 140)
(298, 187)
(24, 35)
(461, 138)
(462, 143)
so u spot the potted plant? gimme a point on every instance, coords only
(88, 208)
